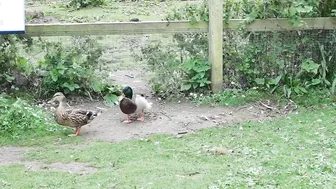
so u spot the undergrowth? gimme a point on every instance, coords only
(68, 68)
(20, 120)
(231, 97)
(235, 97)
(289, 63)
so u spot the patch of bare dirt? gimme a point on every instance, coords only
(165, 118)
(73, 167)
(11, 155)
(170, 119)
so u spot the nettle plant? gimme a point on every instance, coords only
(72, 69)
(197, 74)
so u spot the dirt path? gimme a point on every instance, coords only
(171, 118)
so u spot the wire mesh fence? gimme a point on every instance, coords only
(259, 55)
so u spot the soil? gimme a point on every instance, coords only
(12, 155)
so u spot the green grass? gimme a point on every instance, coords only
(292, 152)
(41, 139)
(235, 97)
(232, 97)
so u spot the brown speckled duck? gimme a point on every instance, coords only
(67, 116)
(133, 104)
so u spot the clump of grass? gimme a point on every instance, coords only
(21, 121)
(230, 97)
(234, 97)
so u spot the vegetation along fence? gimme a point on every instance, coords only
(242, 52)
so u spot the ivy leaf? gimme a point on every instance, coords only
(54, 75)
(111, 98)
(252, 16)
(9, 78)
(186, 87)
(260, 81)
(310, 66)
(297, 90)
(303, 90)
(277, 80)
(61, 71)
(71, 86)
(316, 81)
(304, 9)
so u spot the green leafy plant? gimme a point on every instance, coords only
(173, 75)
(230, 97)
(197, 74)
(18, 118)
(14, 70)
(166, 75)
(71, 69)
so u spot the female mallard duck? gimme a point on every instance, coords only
(71, 117)
(133, 104)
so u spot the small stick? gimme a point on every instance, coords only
(166, 116)
(182, 132)
(294, 104)
(268, 107)
(130, 76)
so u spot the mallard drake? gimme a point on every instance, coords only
(67, 116)
(130, 103)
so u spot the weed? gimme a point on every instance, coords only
(80, 4)
(231, 97)
(21, 120)
(197, 73)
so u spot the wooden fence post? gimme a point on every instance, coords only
(216, 44)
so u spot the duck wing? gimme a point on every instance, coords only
(127, 106)
(77, 117)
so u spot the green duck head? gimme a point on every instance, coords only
(128, 92)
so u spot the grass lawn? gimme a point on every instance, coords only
(292, 152)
